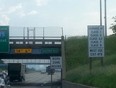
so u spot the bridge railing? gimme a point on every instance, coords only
(35, 32)
(35, 37)
(38, 40)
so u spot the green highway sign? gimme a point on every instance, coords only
(4, 39)
(50, 50)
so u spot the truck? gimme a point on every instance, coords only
(16, 72)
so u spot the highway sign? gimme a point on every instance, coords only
(41, 51)
(4, 39)
(96, 41)
(47, 50)
(23, 50)
(56, 62)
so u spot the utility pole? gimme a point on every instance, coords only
(100, 12)
(105, 17)
(101, 24)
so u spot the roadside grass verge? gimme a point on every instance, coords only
(77, 63)
(101, 77)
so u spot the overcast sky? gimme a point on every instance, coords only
(72, 15)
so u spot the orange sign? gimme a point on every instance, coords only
(23, 50)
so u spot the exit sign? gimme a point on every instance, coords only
(4, 39)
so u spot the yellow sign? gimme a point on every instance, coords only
(23, 50)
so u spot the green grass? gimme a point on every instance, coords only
(78, 66)
(101, 77)
(76, 52)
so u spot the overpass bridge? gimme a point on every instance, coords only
(28, 61)
(28, 45)
(33, 48)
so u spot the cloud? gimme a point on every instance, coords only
(4, 20)
(41, 2)
(15, 8)
(111, 13)
(19, 10)
(33, 12)
(0, 9)
(92, 14)
(93, 17)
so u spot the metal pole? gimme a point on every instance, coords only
(43, 32)
(101, 23)
(62, 31)
(28, 33)
(24, 32)
(100, 12)
(34, 33)
(51, 72)
(105, 17)
(61, 77)
(51, 79)
(90, 65)
(63, 58)
(102, 64)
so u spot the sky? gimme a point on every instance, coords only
(73, 15)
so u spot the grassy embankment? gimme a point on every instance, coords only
(77, 63)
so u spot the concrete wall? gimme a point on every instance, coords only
(67, 84)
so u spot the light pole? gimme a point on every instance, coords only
(105, 17)
(100, 12)
(101, 25)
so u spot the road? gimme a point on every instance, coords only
(33, 87)
(35, 78)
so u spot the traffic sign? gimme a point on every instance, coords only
(96, 41)
(4, 39)
(23, 51)
(56, 62)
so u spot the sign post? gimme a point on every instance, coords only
(56, 63)
(95, 42)
(4, 39)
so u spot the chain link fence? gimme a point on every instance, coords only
(35, 32)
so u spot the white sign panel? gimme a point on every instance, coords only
(56, 62)
(96, 41)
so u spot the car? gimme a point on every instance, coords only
(43, 71)
(4, 82)
(50, 70)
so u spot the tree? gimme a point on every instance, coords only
(113, 25)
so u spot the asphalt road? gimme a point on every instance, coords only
(34, 87)
(39, 78)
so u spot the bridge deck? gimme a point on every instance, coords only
(33, 49)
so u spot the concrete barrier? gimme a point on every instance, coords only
(67, 84)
